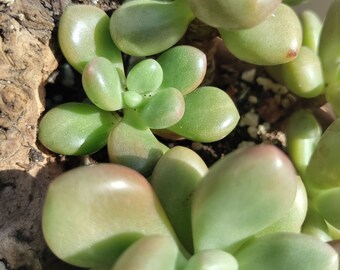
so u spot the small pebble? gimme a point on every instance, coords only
(262, 129)
(265, 83)
(249, 75)
(21, 17)
(253, 99)
(249, 119)
(252, 131)
(196, 146)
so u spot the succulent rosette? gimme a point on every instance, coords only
(159, 93)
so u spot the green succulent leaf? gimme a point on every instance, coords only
(156, 252)
(84, 34)
(92, 214)
(311, 29)
(212, 259)
(174, 179)
(76, 128)
(321, 176)
(233, 14)
(133, 145)
(333, 96)
(204, 122)
(184, 68)
(303, 133)
(293, 220)
(142, 28)
(145, 77)
(275, 41)
(329, 47)
(294, 2)
(315, 225)
(163, 109)
(323, 169)
(132, 99)
(102, 84)
(282, 251)
(326, 203)
(333, 232)
(242, 194)
(303, 75)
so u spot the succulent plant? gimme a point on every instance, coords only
(117, 219)
(156, 94)
(258, 207)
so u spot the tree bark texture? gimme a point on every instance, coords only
(28, 56)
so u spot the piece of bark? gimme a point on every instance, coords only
(28, 56)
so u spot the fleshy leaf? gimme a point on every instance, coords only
(333, 232)
(311, 29)
(281, 251)
(84, 34)
(212, 259)
(233, 14)
(142, 28)
(174, 179)
(242, 194)
(132, 99)
(303, 133)
(303, 75)
(102, 84)
(164, 109)
(333, 96)
(156, 252)
(146, 76)
(275, 41)
(327, 204)
(293, 220)
(76, 128)
(315, 225)
(329, 46)
(323, 169)
(92, 214)
(294, 2)
(184, 68)
(210, 115)
(133, 145)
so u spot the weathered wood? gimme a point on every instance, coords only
(28, 56)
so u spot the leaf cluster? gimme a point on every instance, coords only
(243, 213)
(158, 95)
